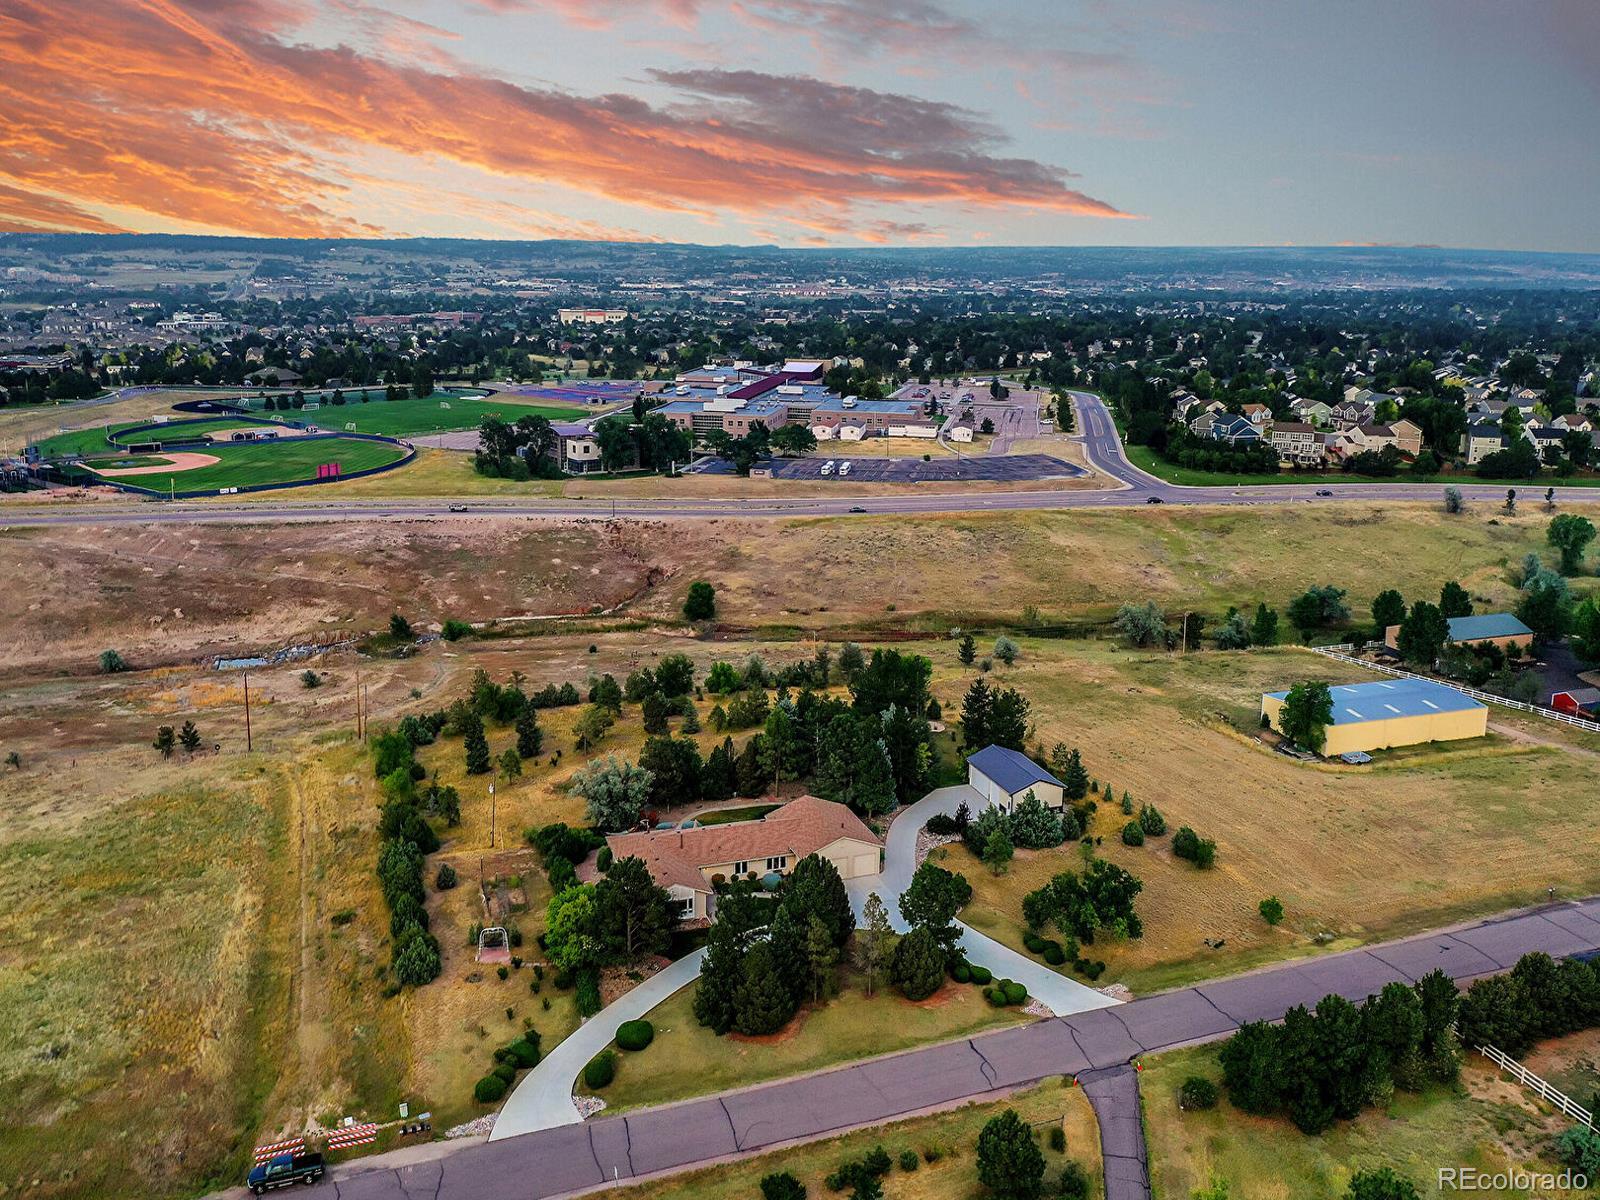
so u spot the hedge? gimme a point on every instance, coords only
(635, 1035)
(1054, 954)
(1015, 992)
(980, 975)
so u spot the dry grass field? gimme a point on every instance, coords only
(200, 941)
(170, 594)
(1422, 837)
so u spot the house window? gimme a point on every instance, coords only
(686, 908)
(779, 863)
(739, 868)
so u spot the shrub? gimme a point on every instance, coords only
(1197, 1094)
(1151, 821)
(961, 973)
(1271, 910)
(503, 972)
(1074, 1183)
(1054, 954)
(445, 879)
(1015, 992)
(454, 630)
(489, 1089)
(564, 979)
(603, 860)
(635, 1035)
(1033, 942)
(1133, 834)
(602, 1069)
(909, 1160)
(1058, 1139)
(980, 975)
(588, 995)
(782, 1186)
(505, 1072)
(111, 662)
(1202, 852)
(525, 1050)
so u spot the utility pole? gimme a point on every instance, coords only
(491, 814)
(365, 705)
(358, 701)
(247, 741)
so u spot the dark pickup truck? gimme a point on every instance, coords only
(285, 1171)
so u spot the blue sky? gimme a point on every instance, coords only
(840, 122)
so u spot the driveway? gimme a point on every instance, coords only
(1061, 994)
(596, 1154)
(543, 1098)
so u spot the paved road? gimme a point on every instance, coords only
(574, 1158)
(1132, 487)
(1114, 1093)
(1064, 995)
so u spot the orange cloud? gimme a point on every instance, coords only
(202, 111)
(30, 212)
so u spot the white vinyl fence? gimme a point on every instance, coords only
(1342, 654)
(1535, 1084)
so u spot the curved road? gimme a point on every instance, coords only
(607, 1150)
(1103, 447)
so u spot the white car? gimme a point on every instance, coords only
(844, 469)
(827, 467)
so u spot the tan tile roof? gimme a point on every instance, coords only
(801, 827)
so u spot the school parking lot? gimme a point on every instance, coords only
(1015, 468)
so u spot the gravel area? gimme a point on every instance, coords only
(479, 1127)
(588, 1105)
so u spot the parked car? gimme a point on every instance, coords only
(844, 469)
(286, 1170)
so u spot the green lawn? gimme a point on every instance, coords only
(413, 417)
(247, 463)
(1488, 1124)
(686, 1059)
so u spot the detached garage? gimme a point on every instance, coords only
(1003, 777)
(1395, 712)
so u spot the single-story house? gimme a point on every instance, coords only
(1392, 712)
(690, 862)
(1502, 630)
(1578, 702)
(1004, 777)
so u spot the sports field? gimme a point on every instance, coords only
(94, 441)
(247, 464)
(413, 417)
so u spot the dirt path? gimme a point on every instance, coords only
(1524, 737)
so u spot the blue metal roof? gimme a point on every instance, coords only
(1010, 770)
(1487, 625)
(832, 403)
(1354, 703)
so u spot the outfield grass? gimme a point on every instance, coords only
(413, 417)
(244, 464)
(1489, 1124)
(951, 1137)
(686, 1059)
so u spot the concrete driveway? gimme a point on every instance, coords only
(543, 1097)
(1063, 995)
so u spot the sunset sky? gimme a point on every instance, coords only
(804, 122)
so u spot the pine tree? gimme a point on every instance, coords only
(874, 792)
(1075, 779)
(1127, 803)
(821, 955)
(750, 774)
(967, 651)
(189, 737)
(871, 948)
(917, 968)
(976, 708)
(164, 740)
(762, 1004)
(530, 738)
(718, 782)
(476, 747)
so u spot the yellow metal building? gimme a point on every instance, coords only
(1392, 712)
